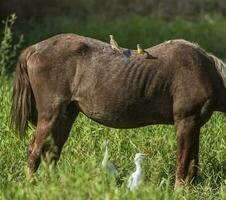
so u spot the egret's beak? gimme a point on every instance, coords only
(144, 154)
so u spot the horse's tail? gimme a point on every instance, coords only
(23, 103)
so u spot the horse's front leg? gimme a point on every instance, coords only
(187, 150)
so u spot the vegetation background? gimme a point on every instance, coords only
(79, 175)
(146, 21)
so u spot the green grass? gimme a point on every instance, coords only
(79, 174)
(208, 31)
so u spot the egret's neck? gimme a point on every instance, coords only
(105, 160)
(138, 165)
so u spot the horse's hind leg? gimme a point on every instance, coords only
(50, 122)
(188, 132)
(51, 151)
(43, 130)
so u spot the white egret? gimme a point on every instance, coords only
(136, 178)
(106, 163)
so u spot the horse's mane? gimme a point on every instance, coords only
(220, 66)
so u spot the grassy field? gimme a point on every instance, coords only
(79, 174)
(207, 30)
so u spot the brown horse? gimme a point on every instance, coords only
(67, 74)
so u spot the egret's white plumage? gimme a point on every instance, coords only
(106, 163)
(136, 178)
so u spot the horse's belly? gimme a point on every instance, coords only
(128, 116)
